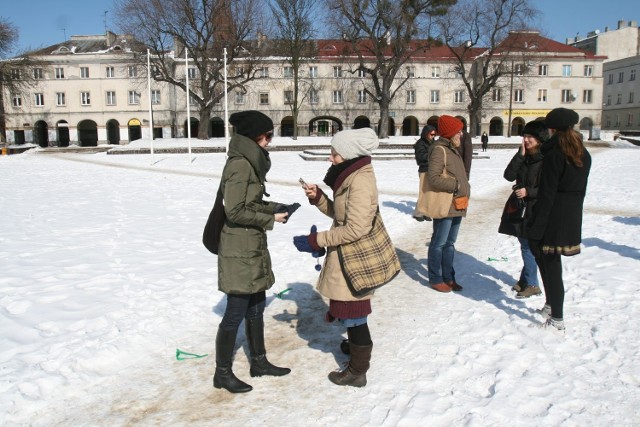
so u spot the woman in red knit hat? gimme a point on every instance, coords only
(446, 174)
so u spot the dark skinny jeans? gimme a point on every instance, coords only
(241, 307)
(550, 266)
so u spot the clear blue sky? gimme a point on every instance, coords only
(45, 22)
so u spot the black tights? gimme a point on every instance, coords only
(241, 307)
(359, 335)
(550, 266)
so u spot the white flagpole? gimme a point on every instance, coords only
(226, 108)
(150, 112)
(186, 73)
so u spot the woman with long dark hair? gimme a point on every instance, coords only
(555, 228)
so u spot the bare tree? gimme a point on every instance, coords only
(15, 73)
(384, 35)
(204, 28)
(477, 32)
(294, 32)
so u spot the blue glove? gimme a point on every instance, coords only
(303, 244)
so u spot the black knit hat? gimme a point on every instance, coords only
(561, 118)
(251, 123)
(536, 129)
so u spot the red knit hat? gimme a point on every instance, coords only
(448, 126)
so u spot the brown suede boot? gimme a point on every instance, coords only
(356, 373)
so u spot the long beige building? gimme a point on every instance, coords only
(94, 91)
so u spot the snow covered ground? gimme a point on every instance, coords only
(104, 277)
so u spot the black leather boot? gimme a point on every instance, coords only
(260, 366)
(224, 377)
(356, 373)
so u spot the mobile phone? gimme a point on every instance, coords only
(304, 184)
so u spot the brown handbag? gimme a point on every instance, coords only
(437, 203)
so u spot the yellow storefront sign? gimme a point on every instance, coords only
(515, 113)
(134, 122)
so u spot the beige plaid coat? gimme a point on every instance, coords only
(353, 208)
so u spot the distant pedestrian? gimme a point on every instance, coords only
(555, 228)
(485, 141)
(421, 149)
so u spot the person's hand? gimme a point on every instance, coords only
(311, 191)
(521, 193)
(303, 243)
(289, 209)
(523, 149)
(281, 217)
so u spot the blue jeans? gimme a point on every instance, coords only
(529, 273)
(442, 249)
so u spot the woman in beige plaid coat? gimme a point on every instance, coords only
(354, 205)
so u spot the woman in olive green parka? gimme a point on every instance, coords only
(244, 264)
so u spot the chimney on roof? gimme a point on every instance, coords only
(622, 24)
(111, 38)
(633, 24)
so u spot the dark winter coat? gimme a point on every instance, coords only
(525, 171)
(421, 149)
(484, 139)
(466, 152)
(455, 170)
(556, 219)
(244, 264)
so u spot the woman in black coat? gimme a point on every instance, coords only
(421, 149)
(555, 228)
(524, 168)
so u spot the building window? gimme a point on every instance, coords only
(38, 74)
(133, 71)
(194, 101)
(411, 96)
(587, 96)
(610, 81)
(39, 99)
(458, 96)
(632, 75)
(313, 96)
(15, 74)
(617, 124)
(566, 96)
(566, 70)
(619, 100)
(411, 71)
(588, 70)
(630, 97)
(192, 72)
(362, 97)
(629, 119)
(155, 97)
(239, 97)
(519, 70)
(337, 71)
(287, 72)
(288, 97)
(111, 97)
(496, 95)
(434, 98)
(263, 72)
(361, 73)
(543, 70)
(84, 72)
(518, 95)
(337, 96)
(620, 76)
(313, 71)
(435, 71)
(134, 97)
(17, 101)
(111, 72)
(59, 73)
(263, 98)
(85, 98)
(542, 95)
(60, 99)
(608, 121)
(608, 99)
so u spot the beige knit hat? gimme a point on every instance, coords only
(354, 143)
